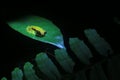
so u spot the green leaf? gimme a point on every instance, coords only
(52, 36)
(46, 66)
(30, 72)
(97, 73)
(81, 75)
(17, 74)
(80, 49)
(65, 61)
(100, 44)
(113, 68)
(4, 78)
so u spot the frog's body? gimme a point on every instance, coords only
(36, 30)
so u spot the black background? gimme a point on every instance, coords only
(71, 18)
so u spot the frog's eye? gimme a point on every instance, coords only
(36, 30)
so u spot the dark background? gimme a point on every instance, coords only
(72, 19)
